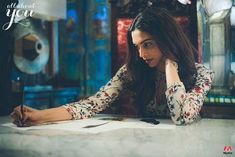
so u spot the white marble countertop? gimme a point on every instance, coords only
(206, 138)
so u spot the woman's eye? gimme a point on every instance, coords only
(147, 44)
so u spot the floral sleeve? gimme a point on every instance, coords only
(185, 106)
(107, 94)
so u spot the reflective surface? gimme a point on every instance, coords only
(205, 138)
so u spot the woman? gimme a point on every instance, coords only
(160, 70)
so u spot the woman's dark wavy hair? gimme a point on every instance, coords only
(173, 44)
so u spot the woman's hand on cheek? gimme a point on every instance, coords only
(170, 64)
(172, 75)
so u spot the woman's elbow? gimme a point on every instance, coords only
(177, 119)
(186, 119)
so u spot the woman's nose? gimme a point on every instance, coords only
(142, 53)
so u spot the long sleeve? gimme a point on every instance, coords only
(85, 108)
(185, 106)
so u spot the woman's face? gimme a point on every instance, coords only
(147, 47)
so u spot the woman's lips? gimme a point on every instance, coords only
(148, 61)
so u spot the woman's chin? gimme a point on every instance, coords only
(152, 65)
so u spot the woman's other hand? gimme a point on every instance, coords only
(172, 75)
(171, 64)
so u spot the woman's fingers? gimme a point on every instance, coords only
(12, 115)
(18, 113)
(20, 119)
(23, 121)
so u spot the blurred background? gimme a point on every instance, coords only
(57, 51)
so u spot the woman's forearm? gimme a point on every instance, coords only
(50, 115)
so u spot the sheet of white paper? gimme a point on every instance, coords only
(103, 125)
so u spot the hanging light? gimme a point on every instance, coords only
(185, 2)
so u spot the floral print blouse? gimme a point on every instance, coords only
(183, 107)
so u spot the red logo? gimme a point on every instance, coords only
(228, 150)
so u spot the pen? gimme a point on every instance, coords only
(21, 91)
(22, 104)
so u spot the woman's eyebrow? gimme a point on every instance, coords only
(145, 40)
